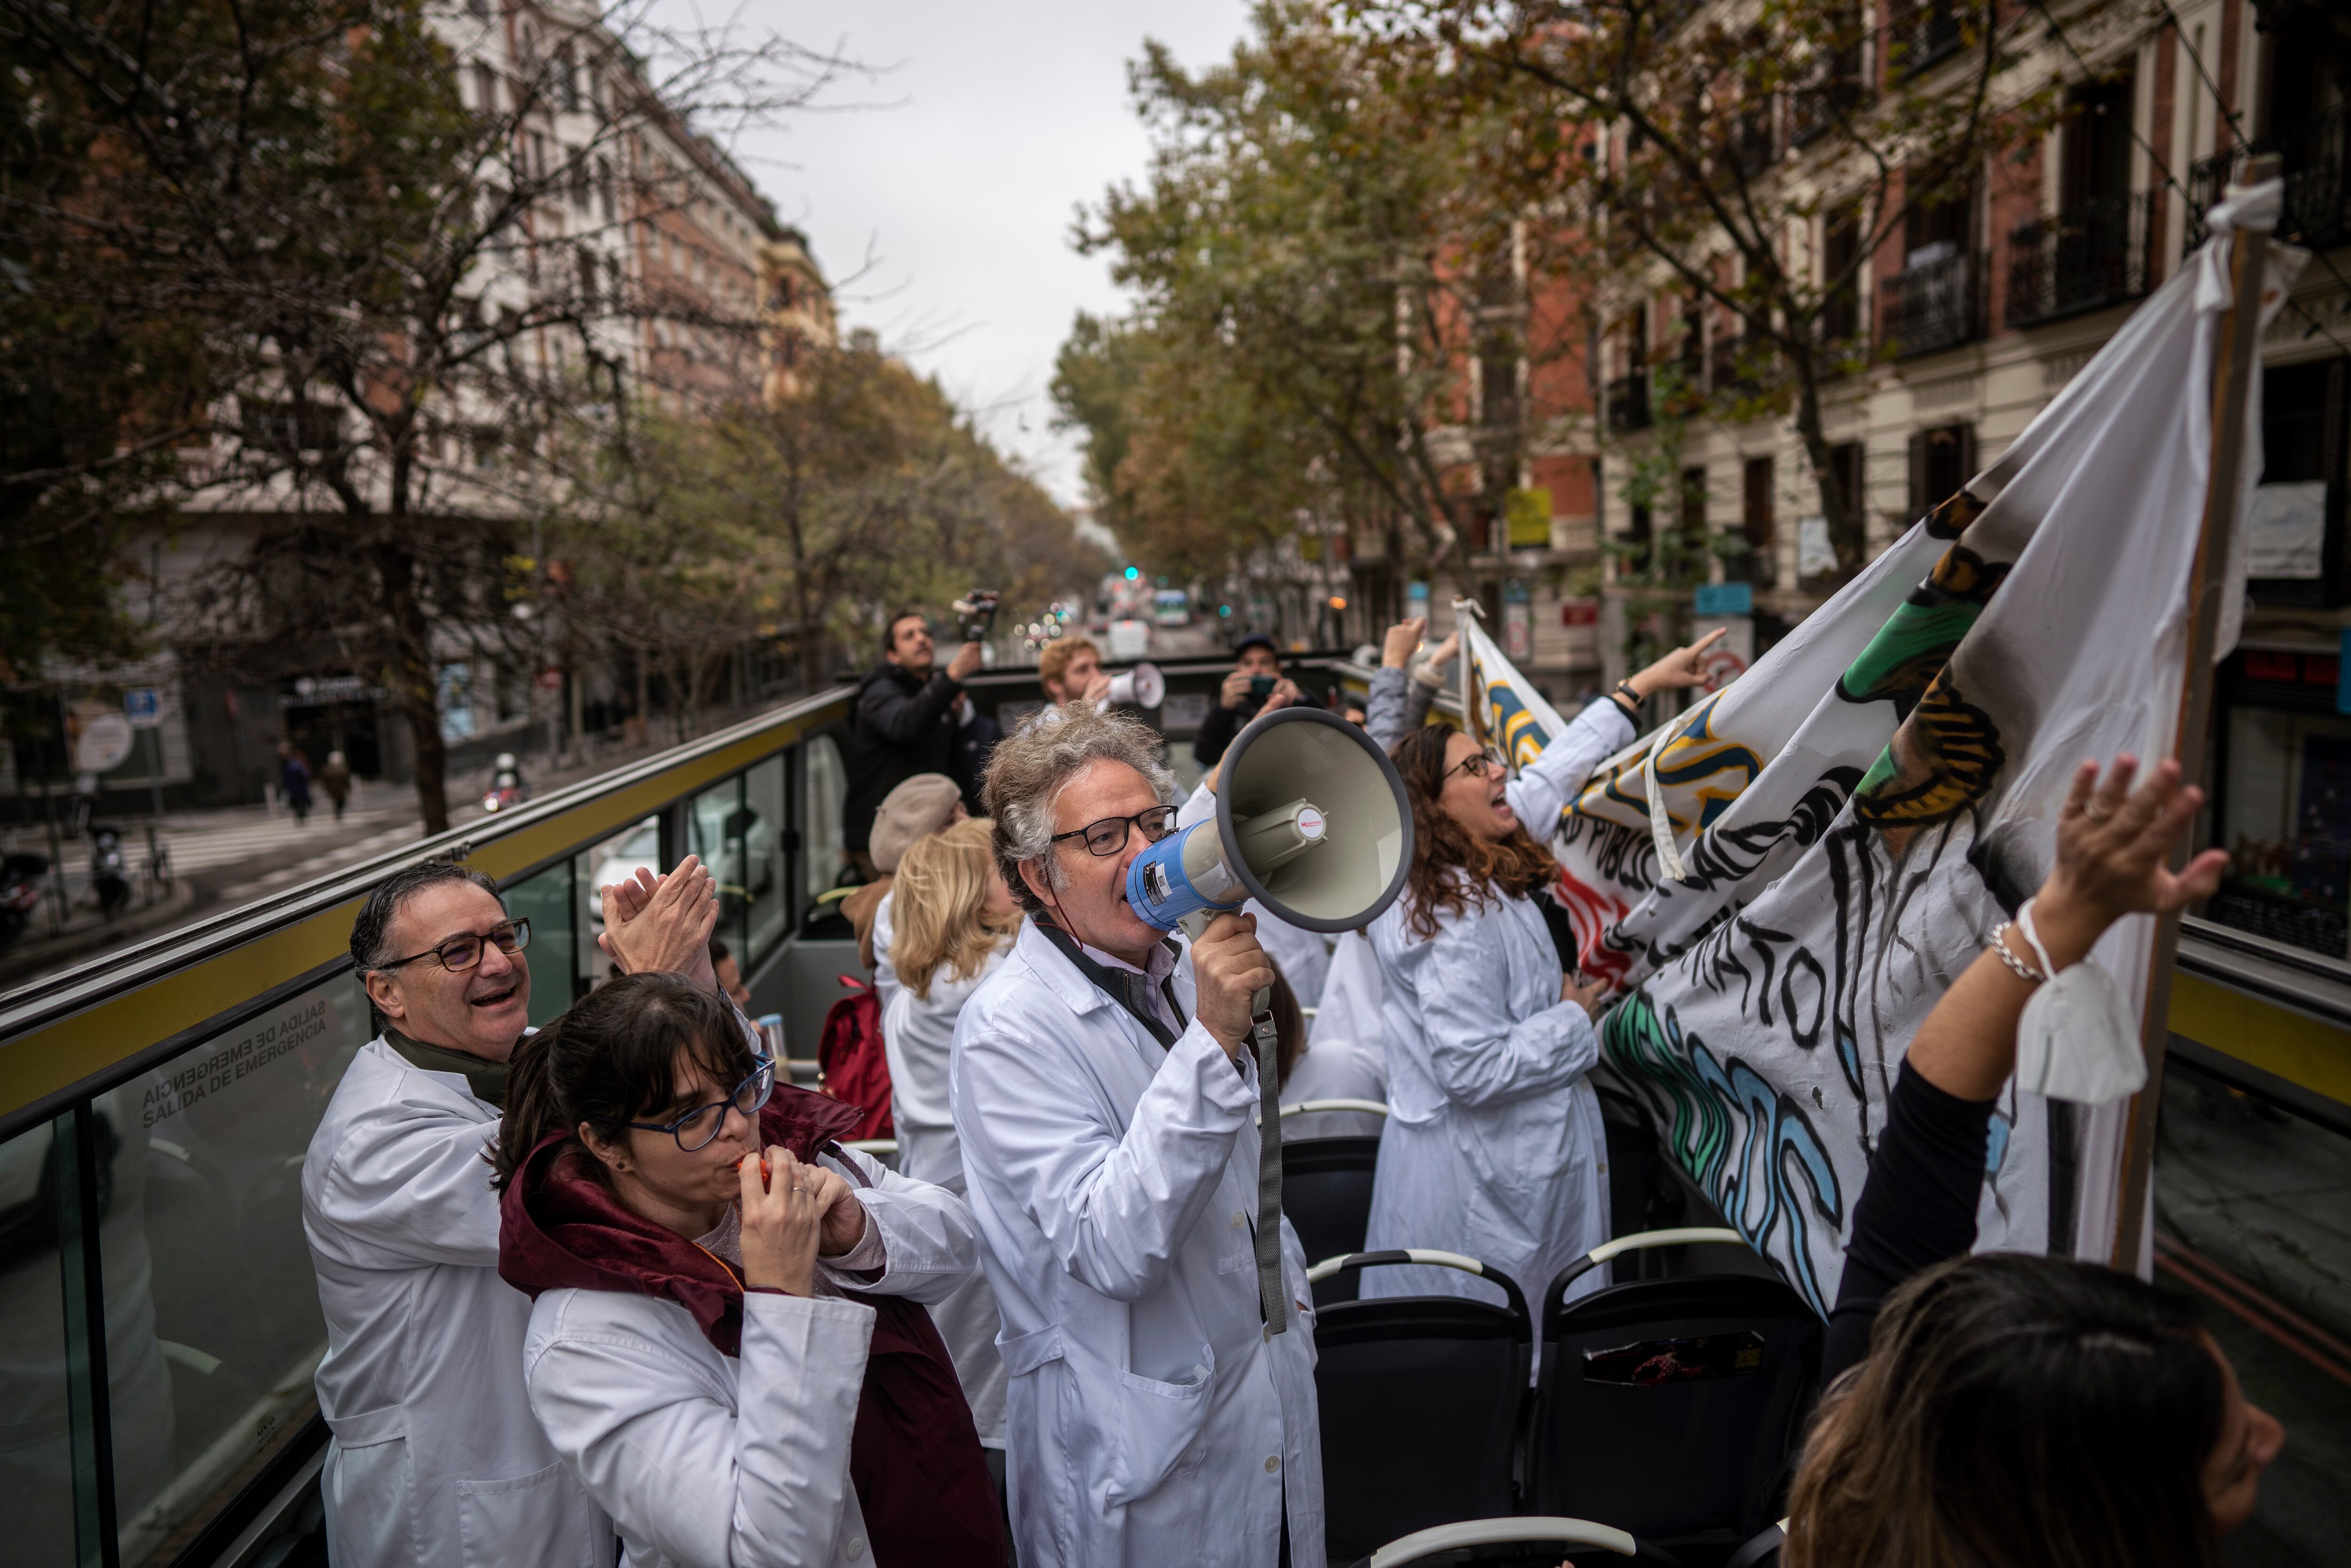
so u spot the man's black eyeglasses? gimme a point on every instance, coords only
(695, 1129)
(1108, 836)
(462, 952)
(1478, 764)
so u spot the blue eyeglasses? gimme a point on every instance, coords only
(695, 1129)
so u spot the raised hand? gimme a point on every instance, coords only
(665, 927)
(1682, 667)
(782, 1219)
(844, 1217)
(1396, 649)
(2112, 845)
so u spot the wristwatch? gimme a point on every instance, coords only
(1625, 693)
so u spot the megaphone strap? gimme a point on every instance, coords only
(1272, 1297)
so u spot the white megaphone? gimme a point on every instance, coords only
(1312, 821)
(1143, 686)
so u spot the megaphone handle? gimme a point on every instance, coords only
(1273, 1295)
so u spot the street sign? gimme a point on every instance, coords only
(145, 706)
(1725, 598)
(1726, 660)
(104, 743)
(1527, 513)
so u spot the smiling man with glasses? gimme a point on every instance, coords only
(436, 1457)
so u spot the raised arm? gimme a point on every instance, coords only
(408, 1181)
(899, 717)
(1919, 1206)
(928, 1244)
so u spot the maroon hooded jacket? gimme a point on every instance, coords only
(915, 1455)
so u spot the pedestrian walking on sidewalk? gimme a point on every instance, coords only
(294, 780)
(335, 778)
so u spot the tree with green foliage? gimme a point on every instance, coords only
(1312, 269)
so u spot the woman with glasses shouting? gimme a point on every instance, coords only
(1492, 1145)
(727, 1344)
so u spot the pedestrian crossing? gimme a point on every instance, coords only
(205, 842)
(348, 852)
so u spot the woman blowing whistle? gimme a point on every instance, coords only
(727, 1343)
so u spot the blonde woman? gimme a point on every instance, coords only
(953, 923)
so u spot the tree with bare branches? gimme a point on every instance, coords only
(389, 241)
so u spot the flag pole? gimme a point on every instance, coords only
(2233, 368)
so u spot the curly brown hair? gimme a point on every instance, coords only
(1454, 870)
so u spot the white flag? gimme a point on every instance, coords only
(1788, 875)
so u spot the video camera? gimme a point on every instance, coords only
(976, 614)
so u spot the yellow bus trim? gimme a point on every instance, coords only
(2286, 1044)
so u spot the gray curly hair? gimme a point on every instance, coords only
(1028, 770)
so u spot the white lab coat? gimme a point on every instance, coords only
(710, 1461)
(1350, 1005)
(886, 973)
(436, 1458)
(1493, 1145)
(1334, 1069)
(1303, 956)
(919, 1033)
(1152, 1420)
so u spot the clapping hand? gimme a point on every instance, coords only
(663, 924)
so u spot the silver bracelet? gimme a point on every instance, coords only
(2022, 970)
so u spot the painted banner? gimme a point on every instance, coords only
(1785, 877)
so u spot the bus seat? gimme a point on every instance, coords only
(1421, 1401)
(1671, 1408)
(1326, 1190)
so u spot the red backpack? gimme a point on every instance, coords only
(848, 1054)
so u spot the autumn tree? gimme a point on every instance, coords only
(363, 247)
(806, 519)
(1312, 269)
(1752, 160)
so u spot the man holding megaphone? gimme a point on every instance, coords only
(1156, 1331)
(1071, 671)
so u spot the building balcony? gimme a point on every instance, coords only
(1628, 402)
(2092, 256)
(1923, 33)
(1936, 303)
(2317, 200)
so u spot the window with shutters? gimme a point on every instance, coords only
(1941, 460)
(1757, 563)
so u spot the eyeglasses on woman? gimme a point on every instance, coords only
(697, 1127)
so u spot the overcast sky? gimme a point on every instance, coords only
(994, 122)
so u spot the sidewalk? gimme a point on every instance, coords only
(236, 854)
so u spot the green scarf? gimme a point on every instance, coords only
(485, 1077)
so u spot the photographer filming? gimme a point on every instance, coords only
(1256, 686)
(911, 718)
(1160, 1409)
